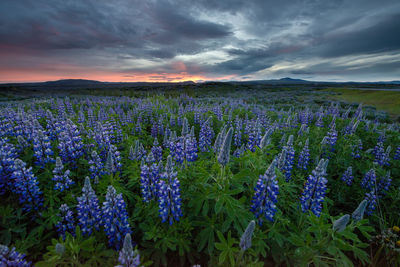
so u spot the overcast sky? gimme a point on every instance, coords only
(123, 40)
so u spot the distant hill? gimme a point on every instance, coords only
(70, 84)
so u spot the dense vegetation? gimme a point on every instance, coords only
(211, 178)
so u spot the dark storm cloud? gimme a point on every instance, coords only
(214, 38)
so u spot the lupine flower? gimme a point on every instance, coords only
(384, 184)
(237, 140)
(369, 180)
(205, 136)
(314, 190)
(113, 162)
(127, 256)
(191, 148)
(340, 224)
(26, 186)
(356, 150)
(347, 176)
(96, 167)
(157, 150)
(145, 182)
(42, 148)
(70, 143)
(61, 178)
(8, 154)
(115, 218)
(358, 213)
(239, 151)
(320, 123)
(332, 136)
(265, 195)
(89, 213)
(304, 157)
(180, 150)
(371, 205)
(245, 239)
(66, 222)
(397, 153)
(12, 257)
(169, 196)
(224, 153)
(289, 158)
(381, 157)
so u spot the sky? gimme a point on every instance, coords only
(202, 40)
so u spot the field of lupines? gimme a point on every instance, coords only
(168, 179)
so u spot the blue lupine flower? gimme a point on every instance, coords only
(381, 156)
(145, 182)
(219, 140)
(169, 196)
(224, 153)
(348, 176)
(332, 137)
(115, 218)
(127, 256)
(206, 135)
(180, 150)
(356, 150)
(61, 178)
(12, 258)
(96, 167)
(371, 202)
(314, 190)
(89, 213)
(113, 162)
(191, 148)
(397, 153)
(66, 222)
(237, 140)
(265, 195)
(289, 158)
(42, 148)
(8, 154)
(320, 123)
(26, 186)
(384, 185)
(156, 150)
(304, 157)
(369, 180)
(70, 143)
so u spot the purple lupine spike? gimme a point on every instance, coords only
(265, 195)
(369, 180)
(61, 178)
(115, 218)
(289, 158)
(371, 202)
(96, 167)
(304, 157)
(127, 256)
(66, 222)
(26, 186)
(357, 149)
(156, 150)
(169, 196)
(89, 213)
(347, 176)
(314, 190)
(11, 257)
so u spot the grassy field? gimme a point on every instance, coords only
(382, 100)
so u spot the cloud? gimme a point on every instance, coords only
(204, 38)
